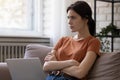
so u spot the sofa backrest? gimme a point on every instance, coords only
(37, 50)
(106, 67)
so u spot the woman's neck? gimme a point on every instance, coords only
(80, 37)
(83, 35)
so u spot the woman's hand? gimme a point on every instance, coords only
(50, 57)
(74, 62)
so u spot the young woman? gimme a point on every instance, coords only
(72, 57)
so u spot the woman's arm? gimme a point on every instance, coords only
(52, 64)
(58, 65)
(82, 70)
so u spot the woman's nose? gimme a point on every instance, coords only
(69, 21)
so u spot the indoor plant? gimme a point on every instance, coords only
(104, 34)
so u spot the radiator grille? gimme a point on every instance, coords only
(15, 47)
(11, 51)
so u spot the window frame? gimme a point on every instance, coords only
(36, 22)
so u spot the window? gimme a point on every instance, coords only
(48, 15)
(21, 18)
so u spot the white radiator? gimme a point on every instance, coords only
(11, 51)
(15, 47)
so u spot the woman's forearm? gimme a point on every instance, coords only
(74, 71)
(58, 65)
(84, 67)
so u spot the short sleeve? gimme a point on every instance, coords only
(58, 44)
(94, 45)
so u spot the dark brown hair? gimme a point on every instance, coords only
(83, 9)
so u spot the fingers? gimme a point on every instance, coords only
(50, 58)
(74, 62)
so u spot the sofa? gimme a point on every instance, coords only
(106, 67)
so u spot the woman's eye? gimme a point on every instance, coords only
(71, 17)
(68, 17)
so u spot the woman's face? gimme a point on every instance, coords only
(76, 22)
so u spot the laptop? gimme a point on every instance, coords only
(25, 69)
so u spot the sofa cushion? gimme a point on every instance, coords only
(106, 67)
(37, 50)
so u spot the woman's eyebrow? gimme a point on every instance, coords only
(70, 16)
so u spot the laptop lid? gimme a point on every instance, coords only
(25, 69)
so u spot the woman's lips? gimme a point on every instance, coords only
(71, 27)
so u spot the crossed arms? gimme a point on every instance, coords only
(71, 67)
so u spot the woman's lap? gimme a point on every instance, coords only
(58, 77)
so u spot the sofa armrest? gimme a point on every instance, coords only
(4, 72)
(37, 50)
